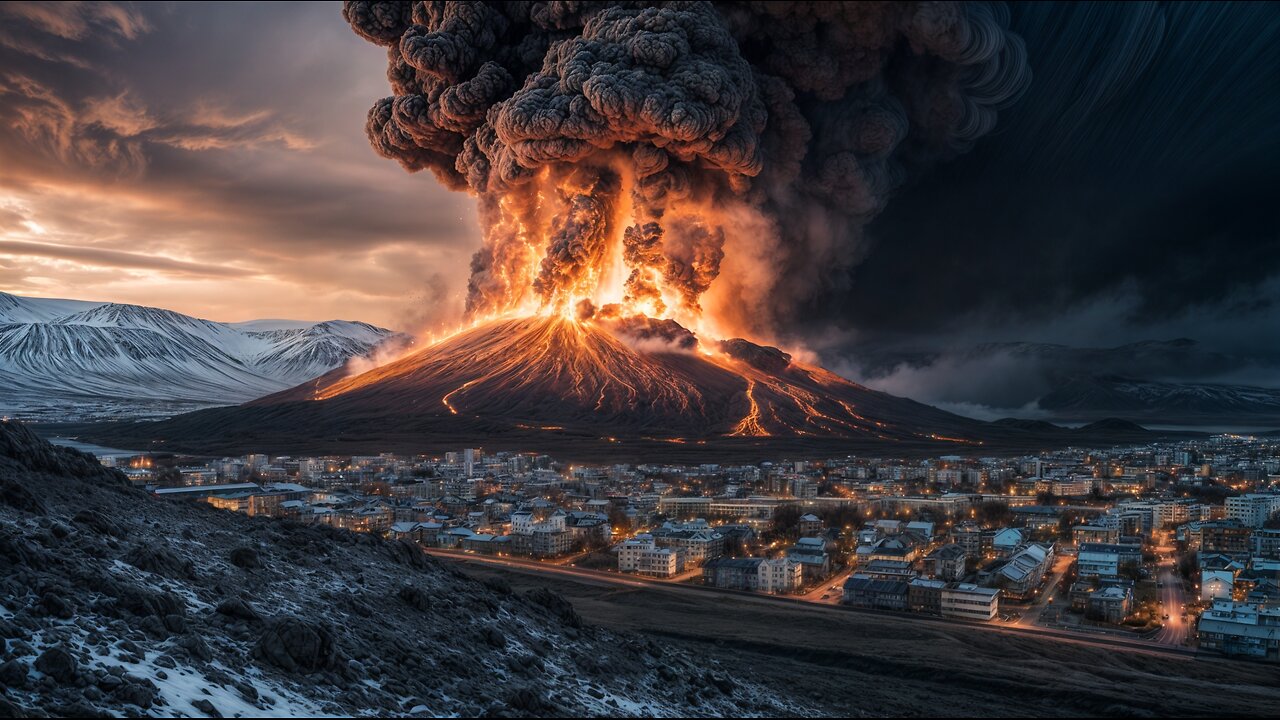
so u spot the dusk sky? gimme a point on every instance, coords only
(211, 159)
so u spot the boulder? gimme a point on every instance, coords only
(58, 663)
(246, 557)
(238, 609)
(297, 646)
(13, 674)
(161, 561)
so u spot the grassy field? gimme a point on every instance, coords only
(869, 665)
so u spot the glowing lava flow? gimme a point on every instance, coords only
(445, 399)
(749, 425)
(623, 377)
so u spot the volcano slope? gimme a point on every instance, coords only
(113, 603)
(587, 388)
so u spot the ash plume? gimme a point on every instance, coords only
(726, 155)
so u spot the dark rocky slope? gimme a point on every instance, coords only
(112, 602)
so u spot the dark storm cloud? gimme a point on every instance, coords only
(1129, 196)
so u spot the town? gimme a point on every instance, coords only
(1174, 545)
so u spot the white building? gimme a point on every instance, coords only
(1074, 486)
(966, 600)
(780, 575)
(1253, 509)
(640, 555)
(527, 522)
(1216, 585)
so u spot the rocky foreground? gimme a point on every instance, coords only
(112, 602)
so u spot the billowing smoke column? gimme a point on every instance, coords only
(683, 156)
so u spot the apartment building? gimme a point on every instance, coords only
(969, 601)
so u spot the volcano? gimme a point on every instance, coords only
(558, 384)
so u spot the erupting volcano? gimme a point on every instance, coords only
(609, 379)
(655, 182)
(580, 387)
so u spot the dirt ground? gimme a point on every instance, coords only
(870, 665)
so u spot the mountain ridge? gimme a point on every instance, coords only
(586, 390)
(62, 357)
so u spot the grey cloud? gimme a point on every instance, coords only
(76, 20)
(116, 258)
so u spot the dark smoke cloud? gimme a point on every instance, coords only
(749, 141)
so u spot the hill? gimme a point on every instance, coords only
(114, 602)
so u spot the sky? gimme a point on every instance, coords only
(211, 159)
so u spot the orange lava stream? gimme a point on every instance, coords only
(460, 388)
(749, 425)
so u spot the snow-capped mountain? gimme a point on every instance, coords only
(70, 358)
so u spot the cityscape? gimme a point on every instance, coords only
(639, 358)
(1174, 545)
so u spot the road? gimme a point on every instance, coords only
(615, 579)
(1173, 602)
(1032, 616)
(824, 588)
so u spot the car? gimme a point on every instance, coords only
(1164, 617)
(1159, 584)
(826, 595)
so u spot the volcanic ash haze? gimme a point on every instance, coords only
(712, 164)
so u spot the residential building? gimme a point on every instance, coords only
(1241, 629)
(1266, 543)
(1007, 541)
(812, 555)
(925, 595)
(1019, 576)
(699, 545)
(968, 536)
(947, 562)
(1111, 604)
(779, 576)
(889, 570)
(810, 524)
(921, 528)
(1105, 560)
(1225, 536)
(969, 601)
(642, 556)
(905, 546)
(1216, 585)
(775, 576)
(732, 573)
(1253, 509)
(1095, 534)
(879, 594)
(590, 527)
